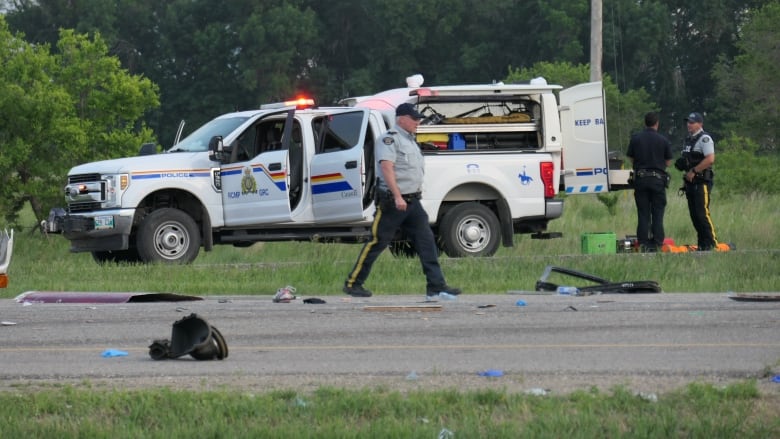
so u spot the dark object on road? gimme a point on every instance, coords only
(313, 301)
(191, 335)
(744, 297)
(100, 297)
(602, 286)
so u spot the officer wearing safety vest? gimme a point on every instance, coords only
(698, 155)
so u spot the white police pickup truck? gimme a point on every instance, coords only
(496, 157)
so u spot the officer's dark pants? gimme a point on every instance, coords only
(698, 195)
(650, 197)
(414, 223)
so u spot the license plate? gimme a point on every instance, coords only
(104, 222)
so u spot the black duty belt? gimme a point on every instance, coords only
(642, 173)
(412, 196)
(407, 197)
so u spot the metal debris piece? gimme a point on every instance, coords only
(602, 286)
(191, 335)
(422, 308)
(747, 297)
(99, 297)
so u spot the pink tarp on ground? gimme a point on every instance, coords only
(99, 297)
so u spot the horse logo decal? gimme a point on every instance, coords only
(525, 179)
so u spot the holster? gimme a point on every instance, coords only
(705, 176)
(645, 173)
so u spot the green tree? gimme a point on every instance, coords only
(62, 109)
(278, 45)
(37, 116)
(748, 87)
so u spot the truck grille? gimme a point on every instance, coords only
(83, 207)
(83, 178)
(87, 202)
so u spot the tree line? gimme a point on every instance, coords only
(164, 61)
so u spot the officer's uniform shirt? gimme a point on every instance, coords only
(400, 147)
(700, 143)
(650, 150)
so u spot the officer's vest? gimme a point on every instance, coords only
(693, 157)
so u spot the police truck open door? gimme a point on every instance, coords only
(584, 130)
(338, 167)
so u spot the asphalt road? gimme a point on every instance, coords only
(646, 342)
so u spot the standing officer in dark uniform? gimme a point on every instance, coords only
(698, 155)
(651, 154)
(398, 206)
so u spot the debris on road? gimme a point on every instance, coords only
(285, 294)
(492, 373)
(110, 353)
(421, 308)
(194, 336)
(757, 297)
(602, 286)
(31, 297)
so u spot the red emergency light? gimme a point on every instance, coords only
(300, 103)
(423, 92)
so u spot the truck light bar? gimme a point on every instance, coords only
(299, 104)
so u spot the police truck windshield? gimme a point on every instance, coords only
(198, 141)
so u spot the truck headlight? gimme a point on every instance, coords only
(116, 184)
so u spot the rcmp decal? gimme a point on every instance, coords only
(333, 182)
(249, 184)
(589, 172)
(175, 174)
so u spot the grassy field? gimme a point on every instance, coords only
(698, 410)
(750, 223)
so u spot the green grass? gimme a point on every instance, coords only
(695, 411)
(751, 223)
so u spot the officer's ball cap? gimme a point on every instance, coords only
(695, 117)
(408, 110)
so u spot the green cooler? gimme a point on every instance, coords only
(599, 243)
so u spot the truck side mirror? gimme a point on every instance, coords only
(148, 149)
(216, 149)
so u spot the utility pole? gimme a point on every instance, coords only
(595, 40)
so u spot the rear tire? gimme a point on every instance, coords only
(168, 235)
(470, 229)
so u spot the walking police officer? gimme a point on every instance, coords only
(651, 154)
(398, 206)
(698, 155)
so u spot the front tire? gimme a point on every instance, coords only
(168, 235)
(470, 229)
